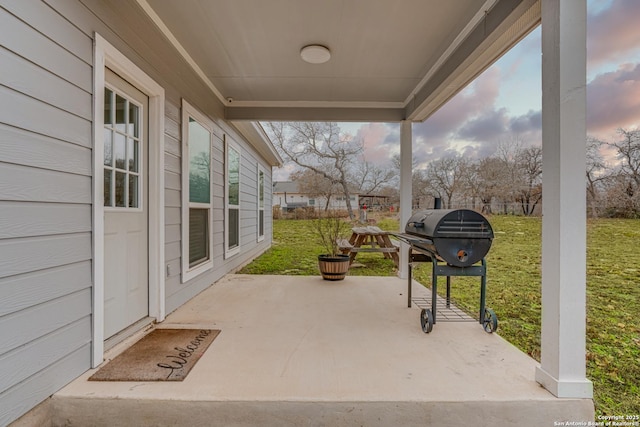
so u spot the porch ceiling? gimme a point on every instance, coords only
(390, 60)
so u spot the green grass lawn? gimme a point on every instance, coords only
(513, 292)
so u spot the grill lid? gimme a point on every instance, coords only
(449, 223)
(461, 237)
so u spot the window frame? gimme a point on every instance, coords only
(229, 145)
(259, 208)
(189, 272)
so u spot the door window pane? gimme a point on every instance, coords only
(133, 155)
(120, 113)
(108, 107)
(199, 163)
(108, 147)
(120, 195)
(108, 194)
(133, 191)
(119, 150)
(133, 128)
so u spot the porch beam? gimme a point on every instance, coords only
(563, 365)
(406, 172)
(315, 114)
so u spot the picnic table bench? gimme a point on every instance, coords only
(369, 239)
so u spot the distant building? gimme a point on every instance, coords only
(288, 197)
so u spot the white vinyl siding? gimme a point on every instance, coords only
(197, 247)
(45, 205)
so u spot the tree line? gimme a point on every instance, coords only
(332, 164)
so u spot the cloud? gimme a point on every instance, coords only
(527, 123)
(473, 124)
(393, 137)
(613, 33)
(613, 100)
(433, 138)
(489, 126)
(478, 97)
(381, 141)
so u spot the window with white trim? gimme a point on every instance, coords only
(232, 198)
(260, 204)
(197, 245)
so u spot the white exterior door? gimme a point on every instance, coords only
(126, 253)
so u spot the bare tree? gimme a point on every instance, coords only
(509, 147)
(445, 177)
(370, 178)
(493, 181)
(472, 185)
(629, 154)
(619, 197)
(321, 148)
(420, 189)
(507, 153)
(595, 173)
(624, 185)
(529, 183)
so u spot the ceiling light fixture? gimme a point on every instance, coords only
(315, 54)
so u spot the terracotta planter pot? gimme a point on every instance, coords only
(333, 267)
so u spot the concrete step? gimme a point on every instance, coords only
(102, 412)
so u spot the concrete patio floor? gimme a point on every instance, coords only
(301, 351)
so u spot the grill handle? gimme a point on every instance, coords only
(416, 224)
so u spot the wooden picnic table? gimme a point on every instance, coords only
(370, 239)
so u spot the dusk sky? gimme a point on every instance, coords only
(504, 103)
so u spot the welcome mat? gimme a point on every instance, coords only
(162, 355)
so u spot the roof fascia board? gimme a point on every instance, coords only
(502, 27)
(146, 7)
(454, 45)
(258, 138)
(253, 132)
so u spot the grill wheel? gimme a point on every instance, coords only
(426, 320)
(490, 323)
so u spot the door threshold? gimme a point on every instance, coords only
(141, 325)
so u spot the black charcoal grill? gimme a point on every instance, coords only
(455, 242)
(461, 237)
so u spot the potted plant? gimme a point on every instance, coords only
(331, 229)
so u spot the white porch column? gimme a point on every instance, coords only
(406, 172)
(563, 364)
